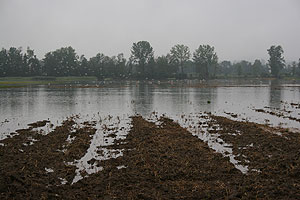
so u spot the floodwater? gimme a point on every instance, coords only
(21, 106)
(112, 104)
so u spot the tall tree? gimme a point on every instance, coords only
(61, 62)
(84, 66)
(142, 55)
(246, 68)
(180, 54)
(96, 65)
(294, 68)
(225, 67)
(15, 62)
(109, 67)
(121, 65)
(205, 57)
(3, 62)
(276, 61)
(238, 67)
(256, 68)
(31, 63)
(163, 67)
(298, 70)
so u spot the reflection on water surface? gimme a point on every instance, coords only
(20, 106)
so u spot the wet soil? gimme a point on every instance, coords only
(39, 124)
(272, 156)
(162, 161)
(26, 157)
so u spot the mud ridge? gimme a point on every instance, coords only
(33, 171)
(160, 160)
(273, 159)
(160, 163)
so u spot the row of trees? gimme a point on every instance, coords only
(178, 63)
(15, 63)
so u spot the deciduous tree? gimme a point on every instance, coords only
(61, 62)
(276, 61)
(256, 68)
(180, 54)
(142, 54)
(205, 57)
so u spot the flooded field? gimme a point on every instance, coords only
(151, 140)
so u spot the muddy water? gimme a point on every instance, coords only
(21, 106)
(109, 108)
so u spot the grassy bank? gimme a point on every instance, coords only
(15, 82)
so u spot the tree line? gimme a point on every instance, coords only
(178, 63)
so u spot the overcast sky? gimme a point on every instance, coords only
(238, 29)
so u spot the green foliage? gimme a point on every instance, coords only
(142, 55)
(239, 69)
(4, 63)
(120, 66)
(163, 68)
(205, 58)
(84, 69)
(179, 55)
(294, 68)
(108, 67)
(298, 69)
(14, 63)
(64, 62)
(257, 68)
(276, 61)
(225, 68)
(61, 62)
(31, 63)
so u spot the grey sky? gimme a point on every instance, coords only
(239, 29)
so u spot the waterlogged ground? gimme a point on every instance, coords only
(151, 140)
(21, 106)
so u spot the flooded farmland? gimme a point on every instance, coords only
(151, 140)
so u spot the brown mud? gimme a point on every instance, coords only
(38, 124)
(23, 170)
(272, 156)
(158, 162)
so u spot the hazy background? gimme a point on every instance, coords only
(238, 29)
